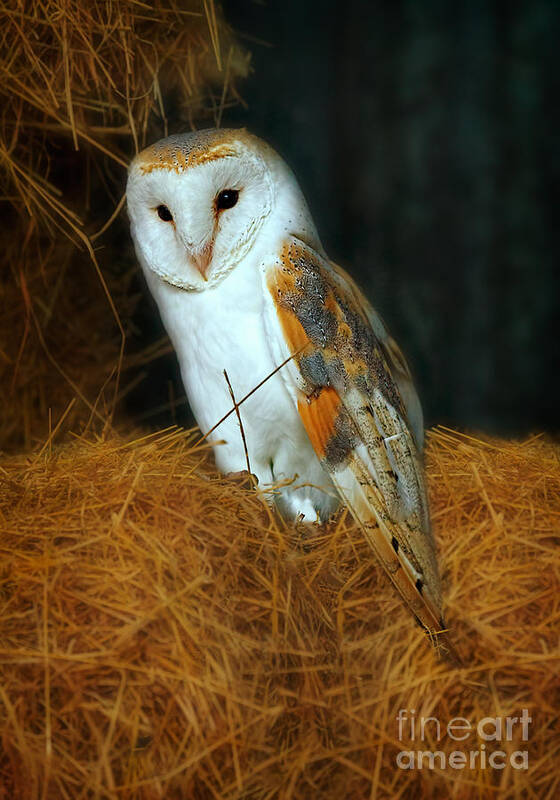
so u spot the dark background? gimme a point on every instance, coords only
(425, 138)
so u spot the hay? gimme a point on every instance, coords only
(163, 634)
(85, 84)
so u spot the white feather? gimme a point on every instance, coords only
(219, 324)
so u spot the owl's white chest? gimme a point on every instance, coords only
(223, 328)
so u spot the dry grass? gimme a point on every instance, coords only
(163, 634)
(85, 84)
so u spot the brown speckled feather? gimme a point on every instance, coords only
(357, 403)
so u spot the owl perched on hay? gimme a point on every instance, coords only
(234, 262)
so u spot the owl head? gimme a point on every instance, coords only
(200, 203)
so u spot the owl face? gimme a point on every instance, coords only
(197, 203)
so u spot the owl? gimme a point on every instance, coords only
(233, 259)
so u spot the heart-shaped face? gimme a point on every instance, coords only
(197, 203)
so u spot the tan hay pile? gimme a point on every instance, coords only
(84, 84)
(164, 635)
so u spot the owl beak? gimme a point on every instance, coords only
(203, 258)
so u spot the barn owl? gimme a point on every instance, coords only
(232, 257)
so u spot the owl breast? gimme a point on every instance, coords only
(221, 329)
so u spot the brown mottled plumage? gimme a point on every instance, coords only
(351, 407)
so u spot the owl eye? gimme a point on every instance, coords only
(164, 214)
(227, 199)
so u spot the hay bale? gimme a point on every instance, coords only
(164, 634)
(85, 84)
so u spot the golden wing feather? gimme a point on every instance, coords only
(351, 405)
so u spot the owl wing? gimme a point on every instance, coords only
(395, 359)
(356, 400)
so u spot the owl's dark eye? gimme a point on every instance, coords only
(227, 199)
(164, 214)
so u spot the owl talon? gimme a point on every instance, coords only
(243, 478)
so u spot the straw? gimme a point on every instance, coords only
(165, 634)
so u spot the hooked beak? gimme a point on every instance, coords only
(203, 257)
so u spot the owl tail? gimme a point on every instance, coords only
(421, 598)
